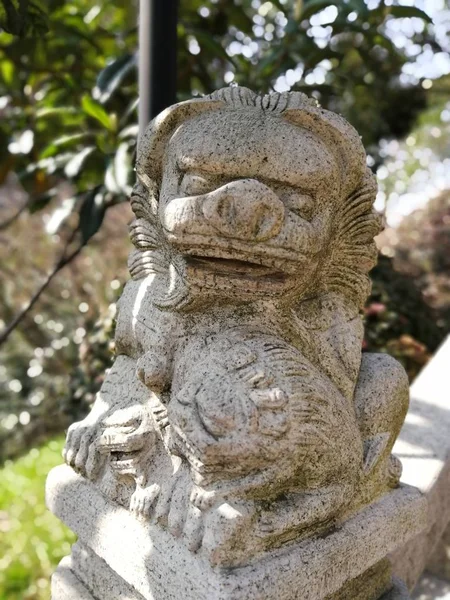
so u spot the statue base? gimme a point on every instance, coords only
(119, 556)
(67, 586)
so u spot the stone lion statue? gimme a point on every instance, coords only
(240, 413)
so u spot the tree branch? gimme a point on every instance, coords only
(10, 220)
(62, 262)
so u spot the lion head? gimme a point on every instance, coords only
(244, 196)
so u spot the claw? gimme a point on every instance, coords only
(143, 499)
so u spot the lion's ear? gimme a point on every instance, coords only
(353, 251)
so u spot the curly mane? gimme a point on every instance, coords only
(353, 250)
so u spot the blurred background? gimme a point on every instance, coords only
(68, 108)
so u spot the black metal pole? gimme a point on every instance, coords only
(157, 58)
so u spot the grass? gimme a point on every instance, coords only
(32, 540)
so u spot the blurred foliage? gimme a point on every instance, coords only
(68, 102)
(422, 251)
(397, 319)
(415, 296)
(69, 97)
(415, 165)
(23, 17)
(32, 540)
(54, 124)
(44, 385)
(337, 51)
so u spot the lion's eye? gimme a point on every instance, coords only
(300, 204)
(194, 185)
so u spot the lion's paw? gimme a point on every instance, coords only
(142, 500)
(81, 451)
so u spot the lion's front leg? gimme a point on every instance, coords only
(121, 389)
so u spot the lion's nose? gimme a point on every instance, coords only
(245, 209)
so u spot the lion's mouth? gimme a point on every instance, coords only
(233, 267)
(124, 460)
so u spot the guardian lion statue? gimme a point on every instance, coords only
(240, 413)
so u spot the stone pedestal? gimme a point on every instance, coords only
(118, 556)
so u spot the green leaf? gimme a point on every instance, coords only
(401, 12)
(281, 7)
(315, 6)
(213, 46)
(111, 76)
(123, 168)
(60, 215)
(64, 140)
(271, 59)
(74, 165)
(7, 70)
(239, 18)
(24, 19)
(55, 110)
(50, 164)
(22, 142)
(129, 131)
(95, 110)
(385, 42)
(92, 212)
(291, 26)
(110, 179)
(118, 174)
(359, 6)
(131, 108)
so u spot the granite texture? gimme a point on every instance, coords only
(240, 416)
(370, 585)
(66, 585)
(98, 578)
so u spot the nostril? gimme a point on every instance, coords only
(263, 223)
(226, 209)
